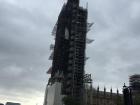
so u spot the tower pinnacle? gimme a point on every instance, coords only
(76, 2)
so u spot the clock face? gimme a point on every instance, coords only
(66, 33)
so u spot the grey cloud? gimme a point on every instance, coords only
(23, 49)
(116, 35)
(25, 35)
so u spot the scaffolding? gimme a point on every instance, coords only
(68, 53)
(134, 81)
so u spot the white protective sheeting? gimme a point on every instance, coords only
(54, 96)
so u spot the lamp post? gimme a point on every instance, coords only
(127, 93)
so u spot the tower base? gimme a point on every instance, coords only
(53, 94)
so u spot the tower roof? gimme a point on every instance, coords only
(76, 2)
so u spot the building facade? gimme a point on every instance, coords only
(12, 103)
(97, 97)
(134, 82)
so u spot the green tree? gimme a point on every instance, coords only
(137, 100)
(69, 100)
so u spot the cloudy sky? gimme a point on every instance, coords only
(25, 36)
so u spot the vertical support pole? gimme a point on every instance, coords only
(98, 95)
(104, 95)
(91, 94)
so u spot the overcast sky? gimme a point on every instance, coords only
(25, 36)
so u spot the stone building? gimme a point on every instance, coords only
(12, 103)
(97, 97)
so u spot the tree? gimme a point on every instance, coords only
(69, 100)
(137, 99)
